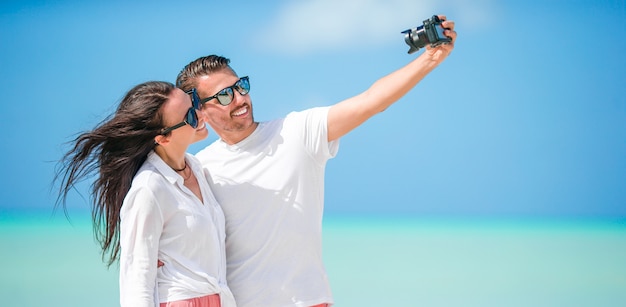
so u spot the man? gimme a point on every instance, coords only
(269, 176)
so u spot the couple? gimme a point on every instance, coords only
(242, 215)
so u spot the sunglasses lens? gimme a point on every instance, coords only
(243, 86)
(195, 99)
(225, 96)
(192, 118)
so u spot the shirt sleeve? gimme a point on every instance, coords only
(315, 134)
(141, 224)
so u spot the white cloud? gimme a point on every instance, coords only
(307, 26)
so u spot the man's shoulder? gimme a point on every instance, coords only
(206, 152)
(316, 112)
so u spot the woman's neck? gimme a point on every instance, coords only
(174, 159)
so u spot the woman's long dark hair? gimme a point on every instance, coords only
(114, 151)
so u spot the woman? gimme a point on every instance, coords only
(151, 200)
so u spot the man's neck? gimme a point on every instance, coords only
(236, 137)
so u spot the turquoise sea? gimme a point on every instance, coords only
(371, 261)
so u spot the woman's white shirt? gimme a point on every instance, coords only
(161, 219)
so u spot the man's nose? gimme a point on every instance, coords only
(238, 99)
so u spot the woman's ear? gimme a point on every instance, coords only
(161, 140)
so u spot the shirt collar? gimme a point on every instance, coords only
(163, 168)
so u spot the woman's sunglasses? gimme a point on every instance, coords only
(225, 96)
(191, 118)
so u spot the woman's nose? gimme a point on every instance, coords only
(201, 115)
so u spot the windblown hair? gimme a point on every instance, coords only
(114, 151)
(203, 66)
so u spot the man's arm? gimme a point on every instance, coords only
(352, 112)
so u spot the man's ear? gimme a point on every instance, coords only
(161, 139)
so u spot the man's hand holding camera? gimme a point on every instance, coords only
(437, 35)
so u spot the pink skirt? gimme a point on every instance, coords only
(212, 300)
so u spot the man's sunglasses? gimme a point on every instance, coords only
(225, 96)
(191, 118)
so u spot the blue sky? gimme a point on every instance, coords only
(526, 117)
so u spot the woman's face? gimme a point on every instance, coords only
(174, 112)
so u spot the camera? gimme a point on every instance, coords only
(430, 33)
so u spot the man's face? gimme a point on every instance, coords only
(232, 122)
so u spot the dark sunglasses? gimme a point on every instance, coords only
(225, 96)
(191, 118)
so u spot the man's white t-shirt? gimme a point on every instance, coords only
(271, 189)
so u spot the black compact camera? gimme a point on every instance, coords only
(430, 33)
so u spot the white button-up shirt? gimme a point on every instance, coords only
(161, 219)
